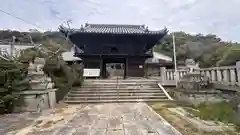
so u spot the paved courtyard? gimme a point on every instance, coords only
(108, 119)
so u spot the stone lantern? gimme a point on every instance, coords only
(41, 94)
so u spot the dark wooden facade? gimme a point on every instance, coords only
(99, 44)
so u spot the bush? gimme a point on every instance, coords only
(64, 75)
(12, 79)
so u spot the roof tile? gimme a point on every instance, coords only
(118, 29)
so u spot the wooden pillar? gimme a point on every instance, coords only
(104, 69)
(126, 68)
(145, 69)
(101, 68)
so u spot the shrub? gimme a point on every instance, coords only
(12, 79)
(64, 75)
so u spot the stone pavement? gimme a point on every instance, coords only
(11, 123)
(111, 119)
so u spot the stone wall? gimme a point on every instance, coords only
(199, 97)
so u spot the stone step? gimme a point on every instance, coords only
(120, 83)
(111, 90)
(121, 80)
(115, 101)
(107, 83)
(114, 94)
(119, 87)
(115, 97)
(102, 88)
(116, 91)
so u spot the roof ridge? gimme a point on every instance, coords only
(113, 25)
(119, 29)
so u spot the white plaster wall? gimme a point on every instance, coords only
(5, 48)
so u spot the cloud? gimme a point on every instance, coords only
(195, 16)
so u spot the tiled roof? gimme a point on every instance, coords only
(118, 29)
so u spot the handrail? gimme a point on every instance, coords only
(165, 92)
(117, 82)
(99, 97)
(117, 88)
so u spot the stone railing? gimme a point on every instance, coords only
(223, 75)
(228, 75)
(170, 74)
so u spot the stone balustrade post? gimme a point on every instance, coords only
(219, 75)
(233, 78)
(238, 71)
(208, 74)
(213, 75)
(225, 75)
(181, 74)
(163, 74)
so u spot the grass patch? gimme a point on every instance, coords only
(222, 111)
(179, 123)
(184, 126)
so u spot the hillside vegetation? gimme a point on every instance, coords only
(208, 50)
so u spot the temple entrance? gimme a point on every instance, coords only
(117, 50)
(114, 68)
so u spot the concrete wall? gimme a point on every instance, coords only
(6, 49)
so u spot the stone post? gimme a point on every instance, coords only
(233, 76)
(238, 71)
(219, 75)
(208, 74)
(163, 74)
(213, 75)
(225, 76)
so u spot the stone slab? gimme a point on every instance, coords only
(118, 132)
(137, 120)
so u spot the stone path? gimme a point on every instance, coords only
(111, 119)
(11, 123)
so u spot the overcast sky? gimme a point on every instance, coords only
(221, 17)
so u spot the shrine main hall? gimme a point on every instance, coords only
(100, 44)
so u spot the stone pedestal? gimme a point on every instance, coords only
(35, 101)
(195, 88)
(41, 95)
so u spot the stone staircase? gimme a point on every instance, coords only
(111, 91)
